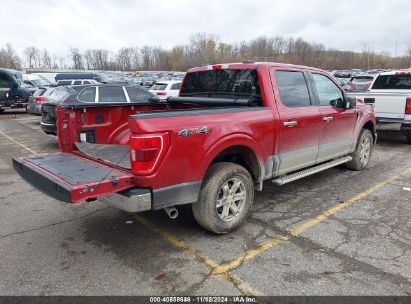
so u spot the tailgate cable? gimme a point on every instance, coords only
(114, 181)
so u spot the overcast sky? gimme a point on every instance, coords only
(342, 24)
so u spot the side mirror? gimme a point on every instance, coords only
(351, 102)
(338, 103)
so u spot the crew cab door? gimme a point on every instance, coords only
(337, 122)
(299, 120)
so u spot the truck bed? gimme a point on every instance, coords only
(117, 155)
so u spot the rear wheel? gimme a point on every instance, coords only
(408, 138)
(225, 198)
(362, 154)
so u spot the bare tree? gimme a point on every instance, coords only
(76, 58)
(45, 60)
(32, 54)
(125, 59)
(147, 57)
(9, 57)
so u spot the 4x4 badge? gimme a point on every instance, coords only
(193, 131)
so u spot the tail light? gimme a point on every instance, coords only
(40, 99)
(217, 67)
(161, 93)
(147, 151)
(408, 106)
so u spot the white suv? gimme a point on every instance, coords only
(165, 89)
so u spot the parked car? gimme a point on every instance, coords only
(342, 73)
(165, 89)
(35, 81)
(361, 82)
(233, 126)
(13, 91)
(66, 76)
(39, 97)
(84, 95)
(390, 93)
(76, 82)
(147, 84)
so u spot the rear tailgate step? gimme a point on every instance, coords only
(71, 178)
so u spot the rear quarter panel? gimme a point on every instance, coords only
(188, 157)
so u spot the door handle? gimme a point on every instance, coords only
(328, 118)
(290, 123)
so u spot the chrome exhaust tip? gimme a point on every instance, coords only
(172, 212)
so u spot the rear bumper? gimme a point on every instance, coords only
(49, 127)
(34, 109)
(386, 120)
(131, 200)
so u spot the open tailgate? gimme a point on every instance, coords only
(71, 178)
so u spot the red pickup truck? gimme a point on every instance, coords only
(232, 127)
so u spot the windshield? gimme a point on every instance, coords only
(226, 83)
(393, 82)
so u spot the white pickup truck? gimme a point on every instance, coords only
(390, 93)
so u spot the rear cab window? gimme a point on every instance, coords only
(138, 95)
(293, 89)
(224, 83)
(393, 82)
(87, 95)
(111, 94)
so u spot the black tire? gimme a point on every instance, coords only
(224, 178)
(2, 110)
(408, 135)
(362, 155)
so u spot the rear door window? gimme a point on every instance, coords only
(138, 95)
(87, 95)
(77, 82)
(293, 89)
(111, 94)
(393, 82)
(328, 93)
(176, 86)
